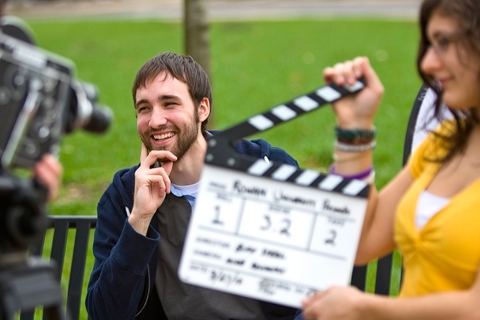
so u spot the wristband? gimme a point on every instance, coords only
(355, 134)
(367, 176)
(359, 176)
(340, 146)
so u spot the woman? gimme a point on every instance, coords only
(431, 210)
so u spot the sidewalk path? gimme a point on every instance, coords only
(171, 10)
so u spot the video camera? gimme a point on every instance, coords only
(40, 100)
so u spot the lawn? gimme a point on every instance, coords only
(256, 65)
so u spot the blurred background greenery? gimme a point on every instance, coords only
(256, 65)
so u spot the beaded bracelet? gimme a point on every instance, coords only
(355, 134)
(367, 175)
(346, 147)
(358, 176)
(358, 141)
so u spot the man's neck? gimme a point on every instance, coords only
(188, 170)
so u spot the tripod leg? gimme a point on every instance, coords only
(28, 286)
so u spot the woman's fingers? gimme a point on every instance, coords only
(347, 72)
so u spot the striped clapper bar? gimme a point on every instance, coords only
(270, 231)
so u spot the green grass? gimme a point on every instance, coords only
(255, 66)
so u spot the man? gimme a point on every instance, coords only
(144, 213)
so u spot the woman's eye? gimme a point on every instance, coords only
(443, 43)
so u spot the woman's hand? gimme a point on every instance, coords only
(356, 111)
(335, 303)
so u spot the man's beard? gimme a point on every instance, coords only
(185, 139)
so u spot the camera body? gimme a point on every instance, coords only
(34, 90)
(40, 101)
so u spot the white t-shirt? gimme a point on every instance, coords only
(425, 114)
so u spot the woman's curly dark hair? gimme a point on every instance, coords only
(467, 14)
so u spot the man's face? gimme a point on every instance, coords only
(166, 116)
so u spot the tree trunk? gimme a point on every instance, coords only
(197, 38)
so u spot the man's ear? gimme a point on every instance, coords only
(203, 109)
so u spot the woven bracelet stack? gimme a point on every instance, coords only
(356, 140)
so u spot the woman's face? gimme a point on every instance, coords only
(455, 69)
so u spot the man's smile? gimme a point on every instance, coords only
(163, 136)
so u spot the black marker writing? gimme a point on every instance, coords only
(273, 254)
(280, 196)
(240, 188)
(256, 266)
(284, 225)
(328, 207)
(242, 248)
(237, 262)
(225, 277)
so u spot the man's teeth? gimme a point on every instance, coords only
(162, 136)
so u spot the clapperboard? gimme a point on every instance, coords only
(272, 231)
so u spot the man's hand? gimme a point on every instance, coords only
(151, 186)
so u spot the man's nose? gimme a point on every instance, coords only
(158, 118)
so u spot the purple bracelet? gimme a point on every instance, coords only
(358, 176)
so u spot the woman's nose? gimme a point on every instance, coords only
(431, 61)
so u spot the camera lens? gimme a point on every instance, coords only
(100, 120)
(86, 114)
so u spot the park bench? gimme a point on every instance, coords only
(62, 230)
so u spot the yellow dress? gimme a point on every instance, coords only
(445, 254)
